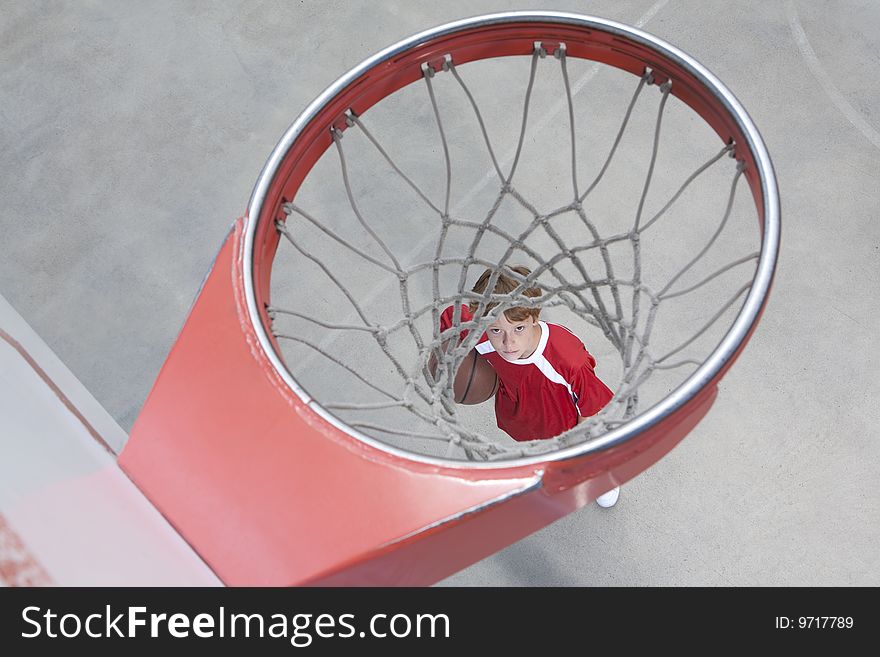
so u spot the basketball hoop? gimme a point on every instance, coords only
(252, 444)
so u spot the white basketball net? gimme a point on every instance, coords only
(580, 278)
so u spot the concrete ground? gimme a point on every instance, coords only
(132, 137)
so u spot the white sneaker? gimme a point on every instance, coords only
(609, 499)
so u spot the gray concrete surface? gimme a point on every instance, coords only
(132, 137)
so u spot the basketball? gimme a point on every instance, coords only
(475, 381)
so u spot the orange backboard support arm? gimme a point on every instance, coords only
(269, 493)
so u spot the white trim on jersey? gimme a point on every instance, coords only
(548, 370)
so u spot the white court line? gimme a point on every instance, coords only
(490, 175)
(824, 79)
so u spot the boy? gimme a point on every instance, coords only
(547, 383)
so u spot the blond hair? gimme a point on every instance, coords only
(505, 285)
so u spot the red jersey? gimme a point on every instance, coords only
(543, 395)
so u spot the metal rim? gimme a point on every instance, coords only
(715, 364)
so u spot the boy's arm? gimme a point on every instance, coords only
(592, 394)
(447, 315)
(446, 318)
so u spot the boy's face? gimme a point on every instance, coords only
(514, 340)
